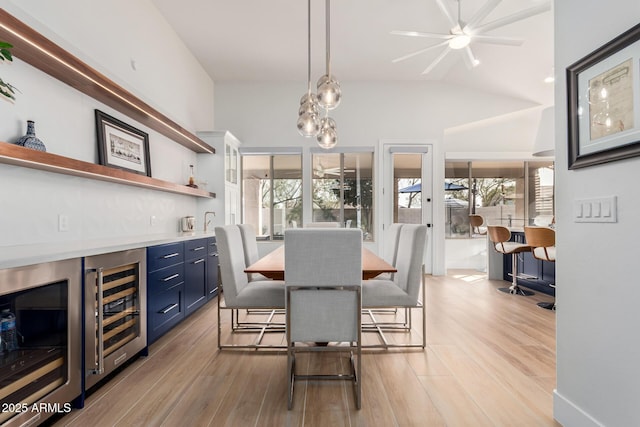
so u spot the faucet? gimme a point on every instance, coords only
(205, 219)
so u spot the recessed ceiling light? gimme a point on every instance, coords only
(549, 79)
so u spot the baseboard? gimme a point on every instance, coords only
(570, 415)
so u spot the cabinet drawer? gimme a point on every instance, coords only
(212, 246)
(161, 280)
(195, 249)
(164, 255)
(165, 310)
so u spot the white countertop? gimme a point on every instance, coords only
(21, 255)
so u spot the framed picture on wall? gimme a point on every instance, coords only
(604, 103)
(121, 145)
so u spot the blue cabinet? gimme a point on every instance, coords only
(165, 289)
(195, 270)
(181, 277)
(538, 275)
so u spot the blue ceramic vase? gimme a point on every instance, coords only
(30, 140)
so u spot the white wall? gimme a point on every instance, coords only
(166, 76)
(598, 374)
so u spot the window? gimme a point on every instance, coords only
(343, 190)
(272, 193)
(511, 193)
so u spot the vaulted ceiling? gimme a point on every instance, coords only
(266, 40)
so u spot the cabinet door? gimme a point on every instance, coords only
(165, 311)
(212, 268)
(195, 272)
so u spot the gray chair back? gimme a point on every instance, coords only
(249, 242)
(410, 258)
(317, 259)
(232, 262)
(390, 250)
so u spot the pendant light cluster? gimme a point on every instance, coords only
(328, 96)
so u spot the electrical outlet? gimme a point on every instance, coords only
(63, 222)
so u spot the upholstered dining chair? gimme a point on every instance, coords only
(543, 244)
(323, 277)
(403, 291)
(250, 246)
(238, 292)
(390, 249)
(322, 225)
(500, 237)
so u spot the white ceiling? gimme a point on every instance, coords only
(266, 40)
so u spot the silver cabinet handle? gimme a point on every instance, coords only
(199, 261)
(173, 276)
(168, 308)
(199, 248)
(171, 255)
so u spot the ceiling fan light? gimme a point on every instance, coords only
(329, 92)
(459, 41)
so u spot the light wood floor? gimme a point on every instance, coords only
(489, 361)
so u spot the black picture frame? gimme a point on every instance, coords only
(603, 95)
(121, 145)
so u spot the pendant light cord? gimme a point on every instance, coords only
(309, 46)
(328, 36)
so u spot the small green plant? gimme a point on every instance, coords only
(6, 89)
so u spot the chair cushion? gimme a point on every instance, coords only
(261, 294)
(384, 293)
(540, 254)
(511, 247)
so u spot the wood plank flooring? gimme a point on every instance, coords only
(489, 361)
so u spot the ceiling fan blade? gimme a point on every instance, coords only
(418, 52)
(470, 60)
(514, 17)
(453, 22)
(420, 34)
(482, 13)
(509, 41)
(436, 61)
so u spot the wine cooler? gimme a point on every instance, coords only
(115, 311)
(40, 341)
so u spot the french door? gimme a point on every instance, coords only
(407, 195)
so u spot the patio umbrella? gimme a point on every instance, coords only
(416, 188)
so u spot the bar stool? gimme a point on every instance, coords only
(500, 236)
(543, 243)
(476, 221)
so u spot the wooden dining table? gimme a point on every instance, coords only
(272, 265)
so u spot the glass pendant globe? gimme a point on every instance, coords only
(308, 107)
(328, 136)
(308, 125)
(309, 97)
(329, 92)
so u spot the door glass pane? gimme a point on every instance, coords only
(325, 187)
(407, 178)
(256, 193)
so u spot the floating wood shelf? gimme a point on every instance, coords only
(35, 49)
(16, 155)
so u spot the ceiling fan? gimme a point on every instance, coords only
(463, 34)
(321, 171)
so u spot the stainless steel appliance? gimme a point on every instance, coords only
(43, 374)
(115, 311)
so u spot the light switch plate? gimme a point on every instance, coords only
(602, 209)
